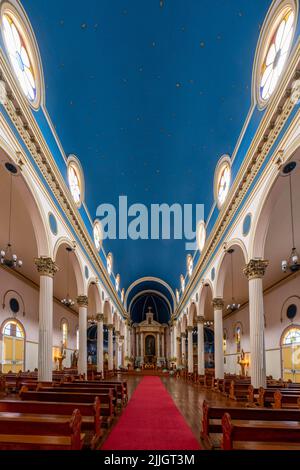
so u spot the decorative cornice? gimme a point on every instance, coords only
(271, 125)
(19, 111)
(255, 269)
(46, 266)
(82, 301)
(100, 317)
(218, 303)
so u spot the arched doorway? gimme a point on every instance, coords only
(290, 353)
(13, 346)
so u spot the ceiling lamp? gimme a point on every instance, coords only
(292, 263)
(67, 301)
(7, 256)
(233, 306)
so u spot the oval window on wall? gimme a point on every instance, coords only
(22, 52)
(291, 311)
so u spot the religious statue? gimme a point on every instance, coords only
(243, 362)
(74, 359)
(60, 356)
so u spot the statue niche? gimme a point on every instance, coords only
(150, 348)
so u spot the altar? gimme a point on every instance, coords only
(150, 342)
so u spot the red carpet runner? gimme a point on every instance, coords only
(151, 421)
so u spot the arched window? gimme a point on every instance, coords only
(292, 337)
(64, 329)
(13, 346)
(290, 350)
(238, 336)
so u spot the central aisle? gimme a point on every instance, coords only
(151, 421)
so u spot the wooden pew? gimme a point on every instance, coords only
(106, 400)
(121, 387)
(90, 414)
(251, 435)
(267, 397)
(212, 416)
(41, 432)
(70, 389)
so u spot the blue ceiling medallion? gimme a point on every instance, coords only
(247, 224)
(213, 274)
(86, 272)
(53, 223)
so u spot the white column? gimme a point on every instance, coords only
(100, 368)
(200, 348)
(110, 347)
(122, 351)
(158, 345)
(255, 271)
(218, 305)
(142, 347)
(129, 333)
(137, 344)
(171, 342)
(178, 350)
(125, 345)
(163, 344)
(47, 269)
(117, 349)
(82, 302)
(183, 349)
(190, 350)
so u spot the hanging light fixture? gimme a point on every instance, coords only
(233, 306)
(67, 301)
(292, 263)
(7, 256)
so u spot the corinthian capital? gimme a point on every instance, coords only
(200, 319)
(255, 269)
(82, 300)
(46, 266)
(218, 303)
(100, 317)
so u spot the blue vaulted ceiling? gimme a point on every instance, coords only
(148, 94)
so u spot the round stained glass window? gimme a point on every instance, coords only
(291, 311)
(14, 305)
(277, 54)
(19, 56)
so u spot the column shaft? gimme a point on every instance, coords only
(200, 348)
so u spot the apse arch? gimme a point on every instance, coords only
(149, 279)
(149, 291)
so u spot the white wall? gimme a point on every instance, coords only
(30, 296)
(275, 304)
